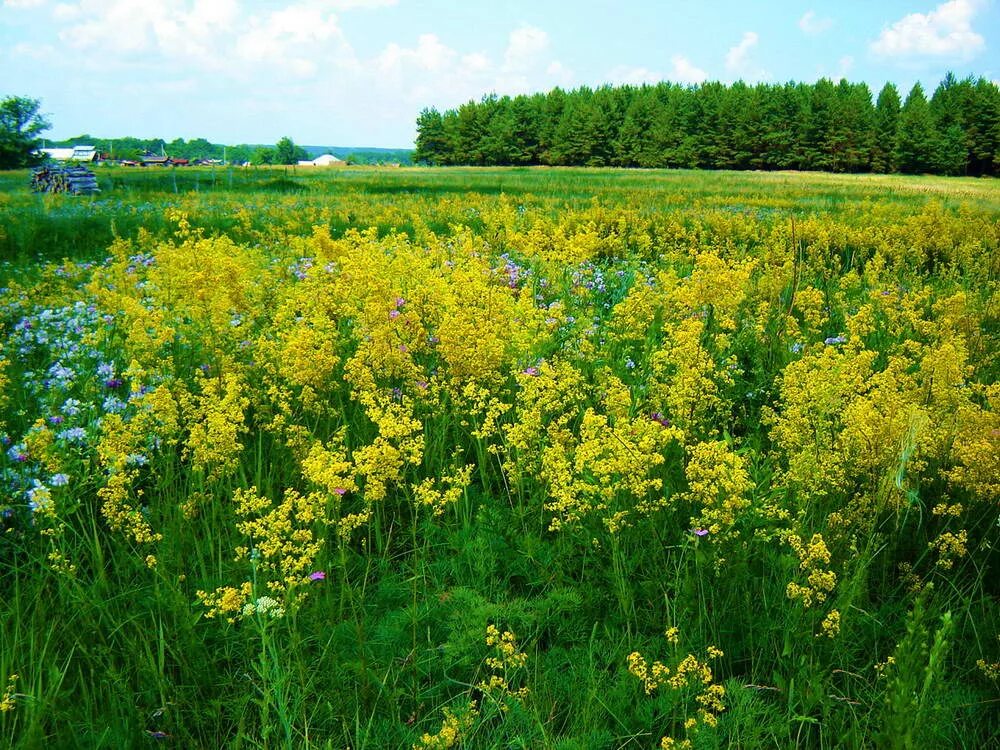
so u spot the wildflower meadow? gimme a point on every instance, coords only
(500, 458)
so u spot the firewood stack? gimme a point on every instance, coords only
(75, 180)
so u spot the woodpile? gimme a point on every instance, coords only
(75, 180)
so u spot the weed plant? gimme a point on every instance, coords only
(500, 459)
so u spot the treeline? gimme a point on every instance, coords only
(285, 151)
(835, 127)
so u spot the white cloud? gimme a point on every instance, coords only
(684, 71)
(622, 74)
(739, 62)
(844, 66)
(525, 46)
(65, 13)
(295, 38)
(944, 32)
(812, 24)
(22, 3)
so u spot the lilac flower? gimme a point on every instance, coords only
(73, 435)
(531, 371)
(18, 453)
(700, 532)
(400, 301)
(660, 419)
(113, 405)
(114, 383)
(57, 419)
(59, 480)
(340, 491)
(317, 575)
(106, 370)
(833, 340)
(71, 407)
(393, 314)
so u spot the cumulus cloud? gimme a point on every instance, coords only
(945, 32)
(685, 72)
(812, 24)
(739, 62)
(623, 74)
(844, 66)
(525, 46)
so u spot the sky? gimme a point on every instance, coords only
(358, 72)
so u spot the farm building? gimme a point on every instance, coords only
(326, 160)
(76, 153)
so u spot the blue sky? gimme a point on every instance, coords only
(357, 72)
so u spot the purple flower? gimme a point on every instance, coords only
(317, 575)
(56, 419)
(340, 491)
(531, 371)
(700, 531)
(834, 340)
(660, 419)
(400, 301)
(74, 435)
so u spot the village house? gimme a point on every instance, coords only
(75, 153)
(326, 160)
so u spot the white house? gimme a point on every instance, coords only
(326, 160)
(77, 153)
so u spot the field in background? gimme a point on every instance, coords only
(499, 458)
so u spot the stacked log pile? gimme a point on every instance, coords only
(75, 180)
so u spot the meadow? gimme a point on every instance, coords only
(500, 458)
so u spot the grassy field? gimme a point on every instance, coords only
(500, 458)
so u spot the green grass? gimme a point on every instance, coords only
(119, 654)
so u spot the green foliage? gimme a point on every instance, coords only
(117, 654)
(286, 152)
(21, 124)
(825, 126)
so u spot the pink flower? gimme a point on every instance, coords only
(394, 313)
(317, 575)
(340, 491)
(700, 532)
(530, 370)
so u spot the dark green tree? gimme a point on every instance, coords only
(915, 141)
(886, 126)
(263, 155)
(432, 142)
(286, 152)
(20, 125)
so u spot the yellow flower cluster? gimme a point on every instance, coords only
(454, 729)
(689, 672)
(447, 492)
(813, 559)
(505, 664)
(717, 485)
(7, 700)
(216, 423)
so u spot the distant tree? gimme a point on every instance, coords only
(915, 142)
(432, 141)
(286, 152)
(826, 126)
(886, 125)
(20, 125)
(263, 155)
